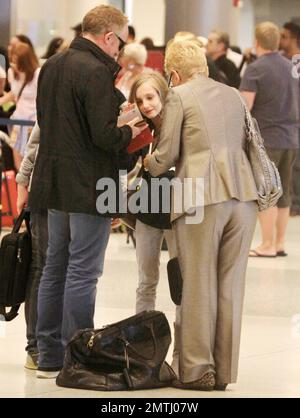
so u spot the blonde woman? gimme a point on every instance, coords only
(133, 60)
(203, 134)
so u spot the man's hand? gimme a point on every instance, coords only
(22, 198)
(136, 130)
(125, 109)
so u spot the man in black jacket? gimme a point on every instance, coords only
(217, 47)
(80, 143)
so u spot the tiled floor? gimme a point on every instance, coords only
(270, 350)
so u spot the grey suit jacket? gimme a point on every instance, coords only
(203, 135)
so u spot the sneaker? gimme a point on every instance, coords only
(32, 361)
(47, 375)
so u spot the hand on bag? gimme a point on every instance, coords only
(22, 198)
(137, 130)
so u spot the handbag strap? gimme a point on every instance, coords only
(12, 314)
(250, 129)
(127, 345)
(24, 216)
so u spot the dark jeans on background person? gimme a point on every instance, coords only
(296, 186)
(39, 236)
(67, 293)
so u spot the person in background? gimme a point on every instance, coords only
(20, 38)
(39, 240)
(80, 145)
(131, 34)
(148, 43)
(290, 46)
(290, 40)
(55, 46)
(203, 134)
(272, 95)
(217, 48)
(133, 60)
(5, 112)
(77, 30)
(2, 80)
(4, 66)
(235, 55)
(23, 78)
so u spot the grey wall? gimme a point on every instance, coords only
(278, 11)
(201, 16)
(5, 13)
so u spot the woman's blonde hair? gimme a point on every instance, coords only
(156, 80)
(136, 52)
(187, 58)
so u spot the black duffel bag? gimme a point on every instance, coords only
(15, 260)
(128, 355)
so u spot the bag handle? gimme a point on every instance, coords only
(126, 370)
(248, 118)
(24, 216)
(12, 314)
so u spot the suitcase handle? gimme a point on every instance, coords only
(24, 216)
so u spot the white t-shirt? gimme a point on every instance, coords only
(235, 57)
(2, 73)
(15, 84)
(26, 104)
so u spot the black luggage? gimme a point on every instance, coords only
(15, 259)
(128, 355)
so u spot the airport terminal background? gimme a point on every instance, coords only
(270, 348)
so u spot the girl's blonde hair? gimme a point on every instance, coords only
(156, 80)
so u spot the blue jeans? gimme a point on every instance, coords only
(67, 293)
(39, 239)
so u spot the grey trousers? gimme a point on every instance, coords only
(213, 258)
(148, 248)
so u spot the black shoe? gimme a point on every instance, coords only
(221, 387)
